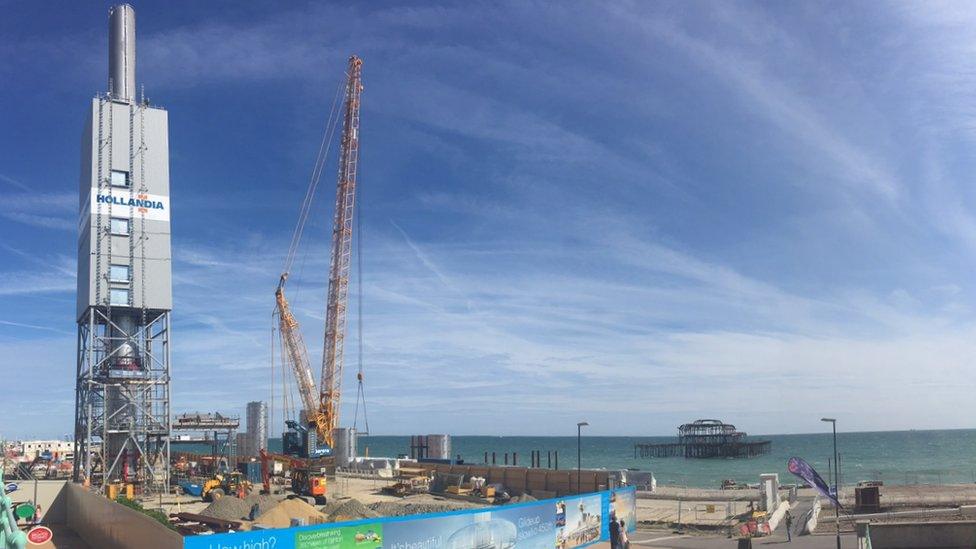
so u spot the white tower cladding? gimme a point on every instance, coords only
(122, 415)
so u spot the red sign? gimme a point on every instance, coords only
(39, 535)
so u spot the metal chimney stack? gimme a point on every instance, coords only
(122, 52)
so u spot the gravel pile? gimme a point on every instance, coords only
(265, 503)
(232, 508)
(351, 509)
(227, 508)
(396, 509)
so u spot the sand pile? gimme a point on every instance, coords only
(280, 515)
(351, 509)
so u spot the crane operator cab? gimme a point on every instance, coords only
(300, 441)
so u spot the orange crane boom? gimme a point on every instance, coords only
(322, 410)
(296, 354)
(327, 418)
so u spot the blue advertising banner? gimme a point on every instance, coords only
(563, 523)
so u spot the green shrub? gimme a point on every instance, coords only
(151, 513)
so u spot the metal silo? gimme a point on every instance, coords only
(439, 446)
(345, 446)
(257, 427)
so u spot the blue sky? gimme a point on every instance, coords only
(636, 214)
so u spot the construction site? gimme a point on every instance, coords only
(200, 472)
(284, 467)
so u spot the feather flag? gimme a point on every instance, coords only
(802, 469)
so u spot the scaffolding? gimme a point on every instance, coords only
(122, 423)
(706, 438)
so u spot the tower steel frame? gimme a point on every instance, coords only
(122, 407)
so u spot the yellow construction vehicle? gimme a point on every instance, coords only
(220, 485)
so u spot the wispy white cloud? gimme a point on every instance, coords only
(777, 103)
(33, 327)
(14, 182)
(45, 210)
(28, 282)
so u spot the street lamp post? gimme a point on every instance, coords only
(579, 452)
(833, 422)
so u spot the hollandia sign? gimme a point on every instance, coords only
(563, 523)
(142, 202)
(122, 203)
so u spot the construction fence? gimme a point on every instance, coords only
(540, 483)
(567, 522)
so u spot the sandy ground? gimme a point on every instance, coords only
(366, 491)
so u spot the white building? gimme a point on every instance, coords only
(62, 449)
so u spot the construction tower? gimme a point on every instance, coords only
(122, 400)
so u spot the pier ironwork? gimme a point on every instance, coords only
(706, 438)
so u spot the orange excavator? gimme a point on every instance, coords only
(304, 480)
(306, 442)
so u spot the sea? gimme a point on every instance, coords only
(894, 457)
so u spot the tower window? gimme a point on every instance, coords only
(120, 178)
(119, 273)
(119, 296)
(120, 226)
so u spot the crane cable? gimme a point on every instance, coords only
(287, 394)
(320, 159)
(360, 377)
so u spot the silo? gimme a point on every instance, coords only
(242, 449)
(257, 427)
(439, 446)
(345, 446)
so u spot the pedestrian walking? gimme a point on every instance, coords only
(789, 526)
(614, 535)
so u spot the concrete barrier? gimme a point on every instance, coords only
(104, 523)
(907, 535)
(811, 523)
(777, 516)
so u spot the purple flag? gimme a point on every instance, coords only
(802, 469)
